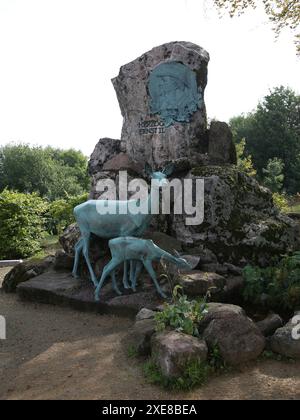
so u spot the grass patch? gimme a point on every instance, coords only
(194, 374)
(294, 209)
(132, 352)
(269, 355)
(49, 244)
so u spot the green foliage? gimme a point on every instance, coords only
(269, 355)
(273, 175)
(281, 202)
(194, 373)
(244, 162)
(22, 223)
(280, 284)
(52, 173)
(272, 131)
(60, 213)
(132, 352)
(282, 13)
(216, 361)
(182, 315)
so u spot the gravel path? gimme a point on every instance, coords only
(58, 353)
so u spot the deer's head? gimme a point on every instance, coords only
(160, 176)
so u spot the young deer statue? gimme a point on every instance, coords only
(137, 250)
(91, 220)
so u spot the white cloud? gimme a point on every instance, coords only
(58, 56)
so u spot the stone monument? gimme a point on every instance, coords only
(161, 96)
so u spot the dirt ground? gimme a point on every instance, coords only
(58, 353)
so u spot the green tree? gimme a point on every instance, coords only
(273, 175)
(244, 162)
(52, 173)
(282, 13)
(273, 130)
(22, 224)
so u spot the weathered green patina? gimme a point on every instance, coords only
(174, 94)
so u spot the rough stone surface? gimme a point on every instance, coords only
(180, 140)
(69, 238)
(122, 162)
(197, 283)
(24, 272)
(63, 261)
(241, 223)
(270, 324)
(282, 342)
(218, 311)
(173, 350)
(221, 149)
(140, 336)
(105, 150)
(145, 314)
(237, 337)
(60, 288)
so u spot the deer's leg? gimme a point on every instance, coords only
(115, 284)
(112, 265)
(86, 244)
(137, 272)
(125, 275)
(132, 273)
(78, 248)
(149, 268)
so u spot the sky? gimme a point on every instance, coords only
(57, 59)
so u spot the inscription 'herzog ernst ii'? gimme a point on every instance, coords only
(151, 127)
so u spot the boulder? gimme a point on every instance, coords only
(122, 162)
(69, 238)
(269, 325)
(241, 224)
(24, 272)
(197, 283)
(104, 150)
(172, 351)
(164, 241)
(221, 148)
(140, 336)
(238, 338)
(156, 126)
(286, 340)
(216, 311)
(63, 261)
(145, 313)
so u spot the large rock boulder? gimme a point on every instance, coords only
(285, 341)
(221, 149)
(270, 324)
(237, 337)
(139, 337)
(24, 272)
(161, 99)
(216, 311)
(241, 223)
(173, 350)
(198, 283)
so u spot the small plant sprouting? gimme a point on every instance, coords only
(182, 315)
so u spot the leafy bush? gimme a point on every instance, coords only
(53, 173)
(276, 287)
(182, 315)
(22, 224)
(60, 213)
(281, 201)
